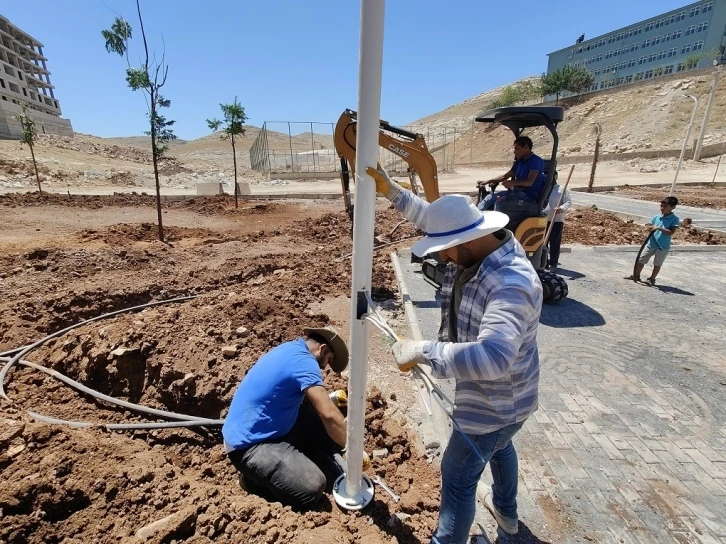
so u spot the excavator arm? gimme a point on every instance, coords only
(407, 145)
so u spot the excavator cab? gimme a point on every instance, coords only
(527, 221)
(409, 146)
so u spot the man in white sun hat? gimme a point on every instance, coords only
(490, 305)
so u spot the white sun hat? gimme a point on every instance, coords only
(452, 220)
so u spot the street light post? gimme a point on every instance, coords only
(685, 142)
(707, 115)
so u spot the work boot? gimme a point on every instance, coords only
(508, 525)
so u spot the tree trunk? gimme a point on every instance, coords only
(234, 160)
(35, 165)
(155, 160)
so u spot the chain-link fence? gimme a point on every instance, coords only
(291, 146)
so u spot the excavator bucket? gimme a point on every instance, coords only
(409, 146)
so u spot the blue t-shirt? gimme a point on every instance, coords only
(522, 169)
(267, 401)
(666, 222)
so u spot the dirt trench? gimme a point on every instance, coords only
(71, 485)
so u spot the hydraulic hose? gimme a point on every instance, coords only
(642, 247)
(111, 400)
(19, 354)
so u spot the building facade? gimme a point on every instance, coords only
(25, 80)
(688, 38)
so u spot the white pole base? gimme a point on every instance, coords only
(360, 501)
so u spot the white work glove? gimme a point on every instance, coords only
(384, 184)
(408, 354)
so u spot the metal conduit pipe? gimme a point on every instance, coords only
(18, 355)
(98, 395)
(123, 426)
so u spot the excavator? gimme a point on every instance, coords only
(411, 148)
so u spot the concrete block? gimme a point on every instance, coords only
(209, 189)
(243, 189)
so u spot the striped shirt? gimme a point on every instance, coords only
(495, 361)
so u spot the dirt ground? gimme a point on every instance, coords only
(698, 196)
(269, 267)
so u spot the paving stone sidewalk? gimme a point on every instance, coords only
(629, 443)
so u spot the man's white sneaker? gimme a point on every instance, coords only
(508, 525)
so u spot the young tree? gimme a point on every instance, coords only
(149, 78)
(233, 125)
(555, 83)
(29, 136)
(529, 90)
(579, 80)
(693, 60)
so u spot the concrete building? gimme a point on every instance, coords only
(25, 79)
(688, 38)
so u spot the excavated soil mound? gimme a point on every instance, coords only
(698, 196)
(595, 228)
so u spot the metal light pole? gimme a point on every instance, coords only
(685, 142)
(707, 115)
(353, 490)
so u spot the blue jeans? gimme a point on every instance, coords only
(461, 469)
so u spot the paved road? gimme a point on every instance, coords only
(702, 217)
(629, 443)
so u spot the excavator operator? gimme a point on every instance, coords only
(524, 181)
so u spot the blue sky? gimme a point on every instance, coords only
(298, 60)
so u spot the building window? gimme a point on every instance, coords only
(646, 43)
(698, 45)
(652, 57)
(608, 54)
(649, 27)
(676, 34)
(670, 19)
(702, 26)
(656, 40)
(668, 70)
(642, 60)
(666, 37)
(672, 52)
(599, 57)
(630, 33)
(602, 42)
(686, 48)
(659, 23)
(695, 11)
(661, 55)
(691, 30)
(619, 81)
(634, 47)
(648, 74)
(629, 78)
(639, 30)
(707, 7)
(681, 67)
(681, 16)
(596, 72)
(631, 63)
(616, 53)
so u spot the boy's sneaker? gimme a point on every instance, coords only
(632, 277)
(508, 525)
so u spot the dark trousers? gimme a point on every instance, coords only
(295, 469)
(554, 243)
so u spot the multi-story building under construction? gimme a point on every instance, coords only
(25, 80)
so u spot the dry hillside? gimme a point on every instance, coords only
(639, 118)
